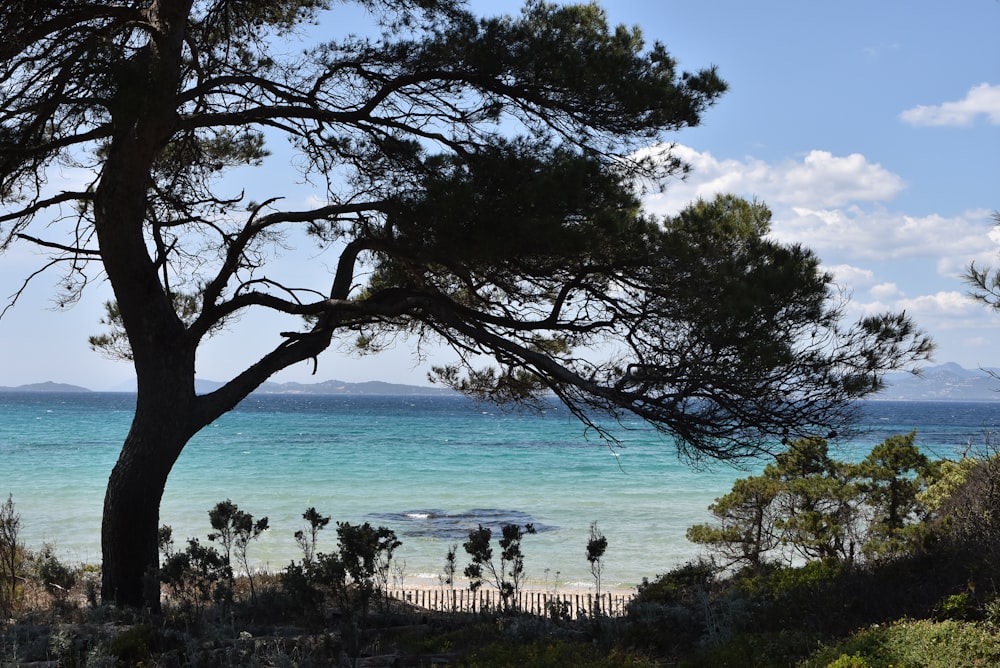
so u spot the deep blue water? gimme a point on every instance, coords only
(429, 467)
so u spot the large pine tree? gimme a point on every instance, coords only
(477, 186)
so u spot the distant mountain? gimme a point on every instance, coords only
(326, 387)
(946, 382)
(47, 386)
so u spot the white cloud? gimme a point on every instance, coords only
(884, 291)
(981, 100)
(825, 202)
(819, 180)
(976, 342)
(950, 303)
(942, 314)
(829, 180)
(849, 276)
(885, 235)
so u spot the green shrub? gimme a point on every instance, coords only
(351, 577)
(956, 606)
(11, 559)
(553, 654)
(196, 577)
(366, 554)
(134, 646)
(302, 589)
(661, 628)
(678, 585)
(55, 576)
(947, 644)
(781, 582)
(849, 661)
(991, 611)
(684, 608)
(753, 650)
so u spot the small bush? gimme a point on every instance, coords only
(915, 643)
(754, 650)
(56, 577)
(554, 654)
(235, 529)
(679, 585)
(196, 577)
(956, 606)
(991, 611)
(849, 661)
(11, 558)
(134, 645)
(781, 582)
(351, 577)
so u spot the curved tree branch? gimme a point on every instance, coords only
(56, 246)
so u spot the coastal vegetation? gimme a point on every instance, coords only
(476, 185)
(507, 574)
(886, 560)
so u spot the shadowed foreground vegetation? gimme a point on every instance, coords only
(890, 561)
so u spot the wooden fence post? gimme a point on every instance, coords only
(534, 602)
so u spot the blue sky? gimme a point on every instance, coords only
(872, 130)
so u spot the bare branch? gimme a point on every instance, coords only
(12, 299)
(56, 246)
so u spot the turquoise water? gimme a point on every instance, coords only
(428, 467)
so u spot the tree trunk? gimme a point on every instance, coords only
(130, 527)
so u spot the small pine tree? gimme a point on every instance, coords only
(596, 547)
(450, 567)
(307, 541)
(744, 532)
(508, 576)
(892, 477)
(235, 529)
(366, 553)
(818, 511)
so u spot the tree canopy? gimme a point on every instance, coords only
(808, 505)
(478, 184)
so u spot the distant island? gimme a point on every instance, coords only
(47, 386)
(945, 382)
(372, 387)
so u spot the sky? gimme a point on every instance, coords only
(871, 129)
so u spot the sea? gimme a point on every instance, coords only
(428, 467)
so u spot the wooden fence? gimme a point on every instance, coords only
(542, 603)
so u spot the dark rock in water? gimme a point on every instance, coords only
(456, 526)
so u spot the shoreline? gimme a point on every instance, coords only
(556, 602)
(421, 583)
